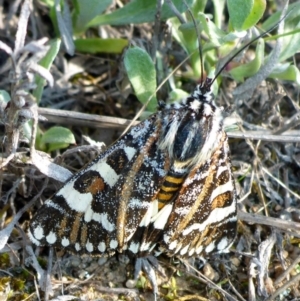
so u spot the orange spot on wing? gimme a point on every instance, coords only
(97, 185)
(220, 200)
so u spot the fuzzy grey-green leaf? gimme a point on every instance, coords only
(142, 76)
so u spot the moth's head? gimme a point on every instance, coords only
(203, 91)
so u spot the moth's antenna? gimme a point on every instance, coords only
(243, 48)
(199, 41)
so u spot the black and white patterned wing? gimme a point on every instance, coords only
(203, 218)
(99, 209)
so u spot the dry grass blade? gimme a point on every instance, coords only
(292, 136)
(98, 121)
(294, 281)
(83, 119)
(281, 183)
(22, 27)
(270, 221)
(285, 274)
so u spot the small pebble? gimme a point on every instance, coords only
(235, 261)
(130, 283)
(102, 260)
(210, 273)
(82, 275)
(278, 208)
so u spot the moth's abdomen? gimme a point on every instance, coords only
(170, 187)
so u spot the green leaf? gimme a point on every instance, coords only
(49, 3)
(290, 39)
(258, 9)
(46, 62)
(215, 34)
(55, 146)
(249, 69)
(4, 97)
(142, 76)
(286, 72)
(57, 137)
(137, 11)
(85, 11)
(176, 95)
(245, 13)
(97, 45)
(218, 12)
(292, 15)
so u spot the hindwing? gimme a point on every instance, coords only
(203, 217)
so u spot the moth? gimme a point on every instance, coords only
(166, 185)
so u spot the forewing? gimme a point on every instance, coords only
(203, 218)
(100, 208)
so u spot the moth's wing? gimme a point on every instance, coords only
(100, 208)
(203, 217)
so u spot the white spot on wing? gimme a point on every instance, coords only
(135, 203)
(179, 246)
(191, 252)
(199, 250)
(134, 247)
(38, 232)
(153, 209)
(130, 152)
(173, 245)
(32, 238)
(222, 189)
(223, 244)
(145, 246)
(89, 247)
(88, 214)
(77, 247)
(76, 200)
(107, 173)
(113, 244)
(51, 238)
(161, 218)
(103, 219)
(167, 238)
(221, 169)
(184, 250)
(102, 247)
(65, 242)
(210, 247)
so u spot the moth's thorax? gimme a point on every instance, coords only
(191, 129)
